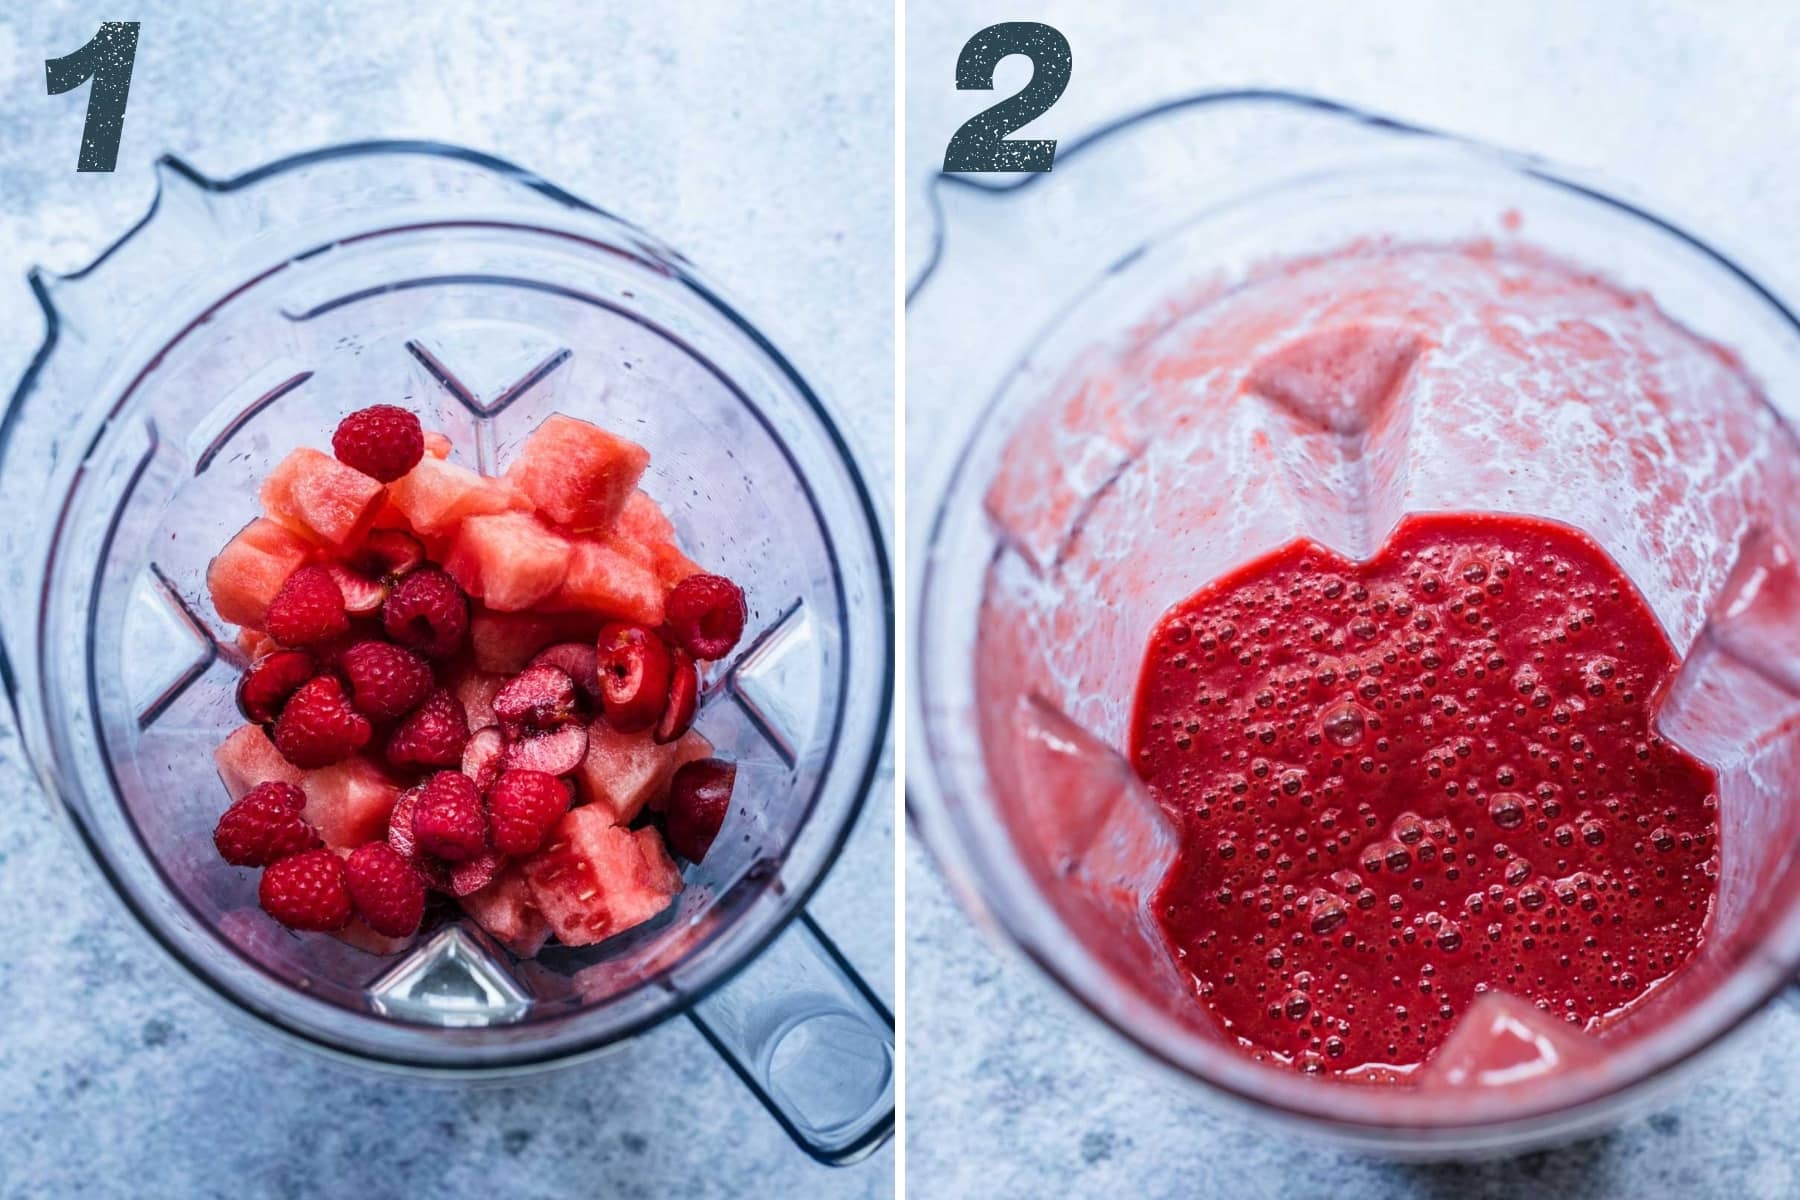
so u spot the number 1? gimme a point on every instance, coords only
(107, 59)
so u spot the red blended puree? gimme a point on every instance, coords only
(1403, 782)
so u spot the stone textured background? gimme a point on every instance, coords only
(1695, 107)
(758, 138)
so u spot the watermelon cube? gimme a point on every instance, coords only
(623, 772)
(349, 802)
(247, 573)
(506, 642)
(602, 580)
(436, 496)
(476, 688)
(358, 934)
(642, 520)
(248, 757)
(438, 445)
(670, 564)
(577, 474)
(508, 911)
(510, 560)
(320, 498)
(596, 879)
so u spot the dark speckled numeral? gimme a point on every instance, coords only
(981, 145)
(107, 59)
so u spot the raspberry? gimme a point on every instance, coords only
(269, 682)
(523, 807)
(307, 891)
(308, 608)
(318, 727)
(386, 681)
(388, 893)
(264, 826)
(382, 441)
(428, 612)
(706, 613)
(433, 736)
(448, 820)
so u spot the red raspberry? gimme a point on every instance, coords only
(428, 612)
(706, 613)
(524, 806)
(447, 820)
(382, 440)
(264, 826)
(433, 736)
(269, 682)
(308, 608)
(388, 893)
(386, 681)
(318, 727)
(307, 891)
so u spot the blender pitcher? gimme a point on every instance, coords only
(244, 317)
(1133, 439)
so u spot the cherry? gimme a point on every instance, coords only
(634, 667)
(699, 798)
(707, 613)
(684, 698)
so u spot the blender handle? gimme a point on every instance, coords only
(811, 1040)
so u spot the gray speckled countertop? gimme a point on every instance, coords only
(1010, 1093)
(115, 1080)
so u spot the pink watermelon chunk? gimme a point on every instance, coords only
(436, 496)
(596, 879)
(248, 757)
(508, 911)
(623, 772)
(510, 560)
(506, 642)
(357, 933)
(643, 521)
(577, 474)
(476, 688)
(349, 802)
(438, 445)
(670, 564)
(247, 573)
(319, 497)
(603, 580)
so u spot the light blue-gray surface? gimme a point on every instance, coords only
(756, 137)
(1696, 107)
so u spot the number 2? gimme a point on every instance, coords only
(107, 59)
(981, 145)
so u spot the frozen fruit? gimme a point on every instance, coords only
(577, 474)
(254, 644)
(318, 726)
(643, 521)
(476, 689)
(634, 666)
(428, 612)
(382, 441)
(448, 821)
(386, 681)
(475, 874)
(358, 934)
(321, 498)
(576, 660)
(506, 642)
(707, 614)
(523, 807)
(362, 595)
(684, 698)
(385, 889)
(247, 757)
(349, 802)
(699, 798)
(266, 686)
(436, 496)
(400, 825)
(506, 910)
(433, 736)
(309, 608)
(623, 772)
(537, 699)
(558, 752)
(247, 573)
(483, 755)
(671, 565)
(264, 826)
(603, 580)
(595, 879)
(307, 891)
(438, 445)
(388, 554)
(510, 560)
